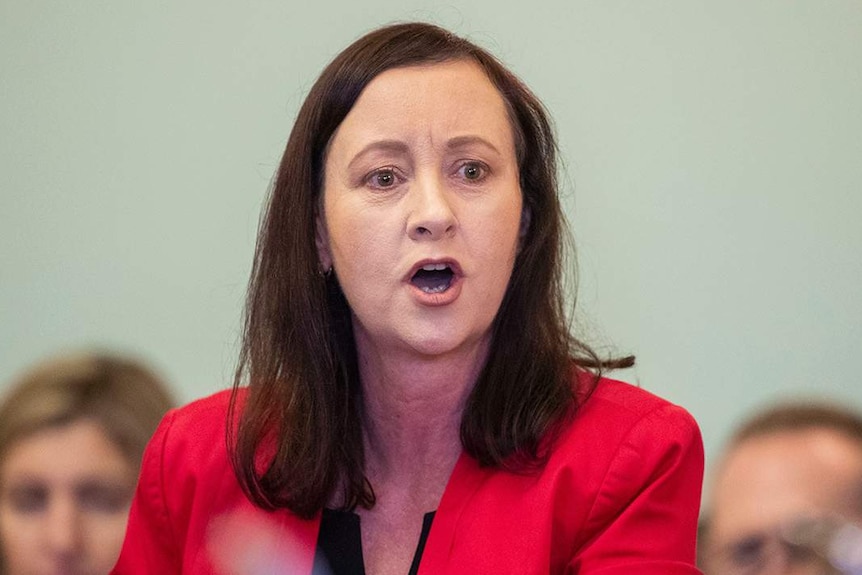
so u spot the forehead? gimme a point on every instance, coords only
(432, 100)
(772, 478)
(65, 451)
(802, 452)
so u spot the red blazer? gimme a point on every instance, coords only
(619, 495)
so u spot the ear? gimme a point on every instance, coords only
(321, 240)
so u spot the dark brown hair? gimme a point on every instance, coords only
(298, 436)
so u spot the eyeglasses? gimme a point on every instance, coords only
(804, 546)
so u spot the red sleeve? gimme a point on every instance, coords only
(644, 519)
(151, 546)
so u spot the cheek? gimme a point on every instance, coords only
(498, 232)
(105, 533)
(364, 267)
(20, 544)
(362, 242)
(345, 227)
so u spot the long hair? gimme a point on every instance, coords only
(295, 436)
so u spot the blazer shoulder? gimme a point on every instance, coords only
(195, 435)
(208, 408)
(205, 415)
(617, 413)
(640, 462)
(622, 403)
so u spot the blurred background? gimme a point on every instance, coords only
(712, 176)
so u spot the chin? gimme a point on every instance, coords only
(445, 344)
(431, 350)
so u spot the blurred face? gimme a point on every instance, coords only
(422, 208)
(777, 498)
(64, 501)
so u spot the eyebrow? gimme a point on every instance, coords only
(467, 141)
(401, 148)
(391, 146)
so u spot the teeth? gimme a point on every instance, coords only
(434, 267)
(438, 289)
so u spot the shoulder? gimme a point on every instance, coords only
(616, 411)
(637, 463)
(191, 441)
(187, 491)
(621, 398)
(621, 434)
(187, 460)
(186, 474)
(200, 418)
(623, 473)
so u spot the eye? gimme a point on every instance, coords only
(382, 179)
(103, 498)
(473, 171)
(28, 498)
(748, 553)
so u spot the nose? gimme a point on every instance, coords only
(63, 529)
(431, 215)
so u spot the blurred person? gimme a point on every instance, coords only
(72, 432)
(409, 397)
(786, 495)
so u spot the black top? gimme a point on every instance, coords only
(339, 544)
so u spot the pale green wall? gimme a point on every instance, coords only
(713, 159)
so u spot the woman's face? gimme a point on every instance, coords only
(422, 208)
(64, 501)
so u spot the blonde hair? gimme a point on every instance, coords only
(125, 398)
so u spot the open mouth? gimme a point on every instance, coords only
(433, 278)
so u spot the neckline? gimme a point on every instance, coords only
(339, 543)
(465, 479)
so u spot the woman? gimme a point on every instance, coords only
(72, 433)
(415, 402)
